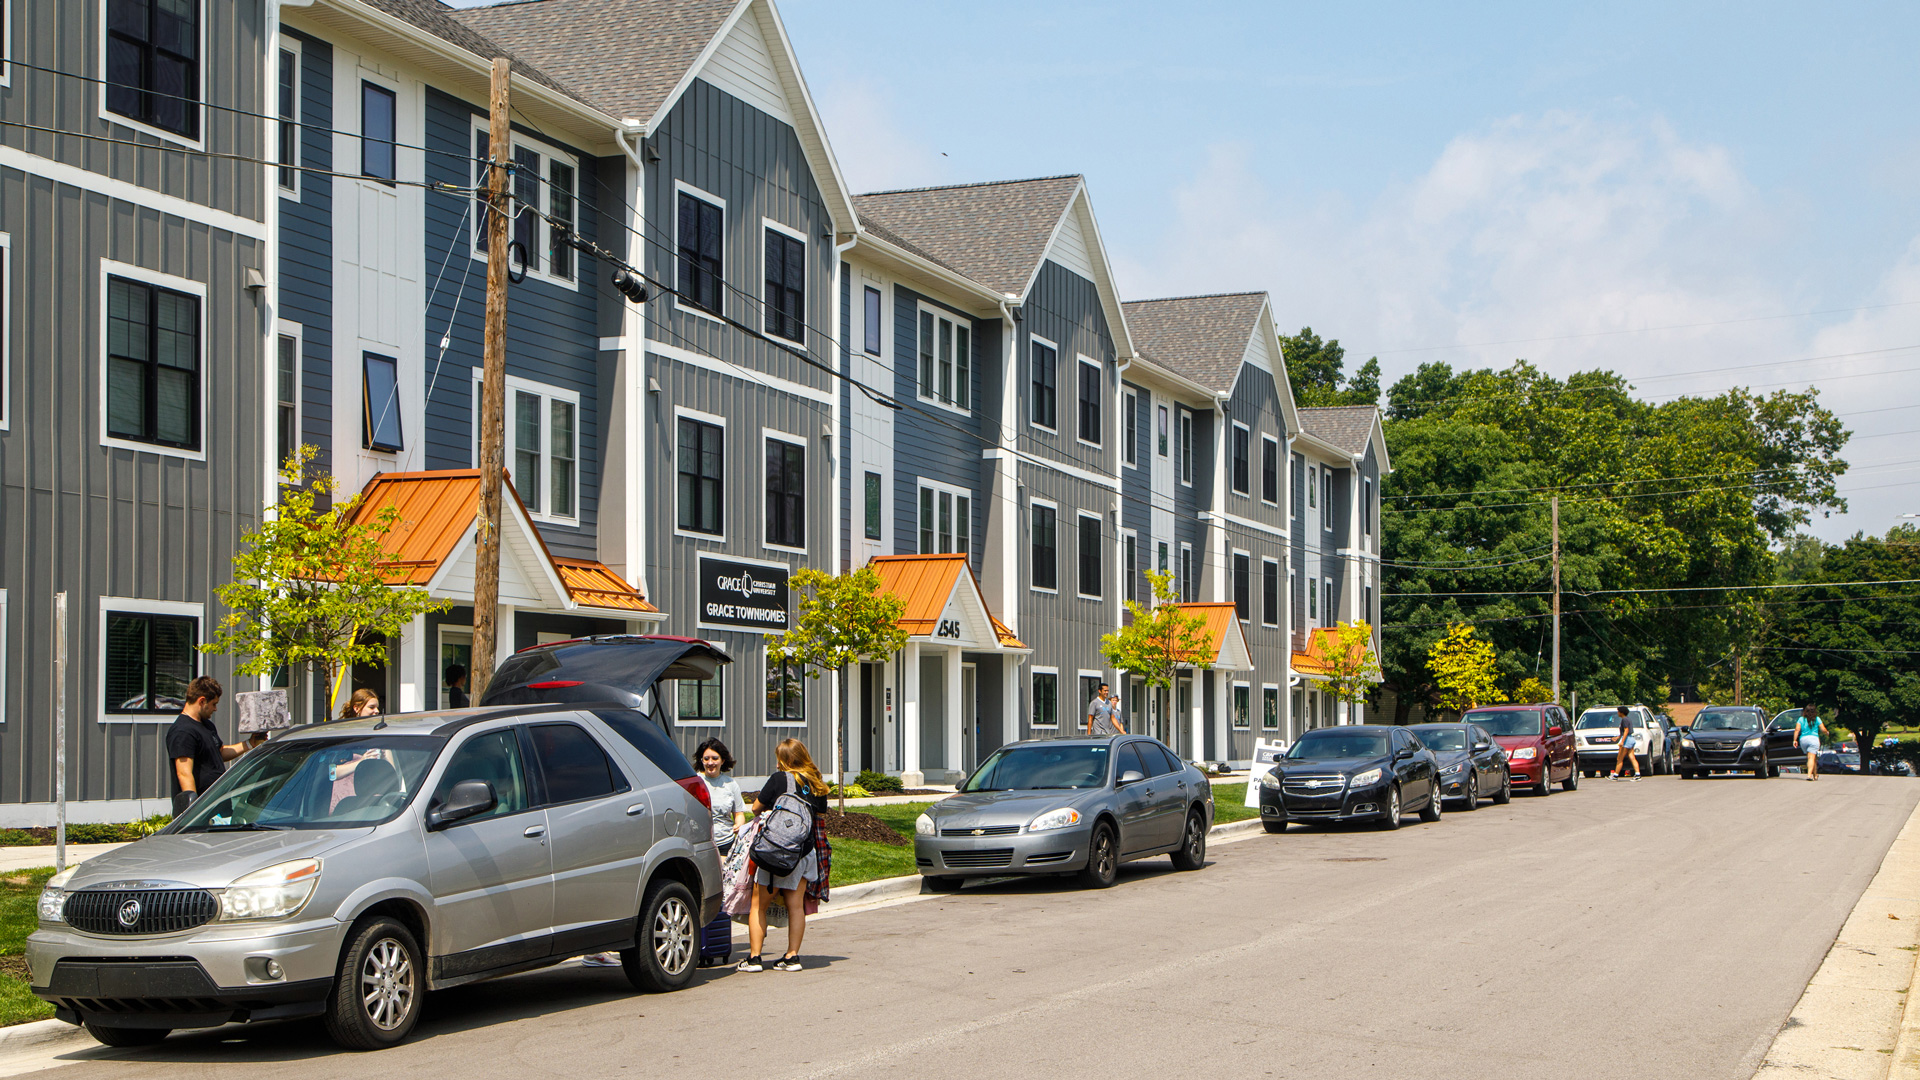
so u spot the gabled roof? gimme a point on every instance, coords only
(1204, 338)
(1227, 646)
(1347, 428)
(926, 584)
(995, 233)
(1323, 646)
(455, 28)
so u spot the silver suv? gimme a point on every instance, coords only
(345, 869)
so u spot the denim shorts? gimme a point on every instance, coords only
(1810, 744)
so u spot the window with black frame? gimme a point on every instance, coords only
(380, 403)
(786, 296)
(700, 700)
(1242, 450)
(1045, 557)
(786, 693)
(1090, 402)
(1046, 699)
(1090, 561)
(1045, 363)
(699, 264)
(1269, 470)
(153, 63)
(1270, 592)
(872, 344)
(1242, 586)
(786, 494)
(379, 123)
(153, 364)
(150, 659)
(289, 126)
(872, 492)
(700, 460)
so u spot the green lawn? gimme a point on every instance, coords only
(855, 861)
(1226, 804)
(18, 892)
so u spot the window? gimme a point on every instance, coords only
(1313, 602)
(1242, 586)
(946, 359)
(1242, 450)
(1163, 431)
(786, 694)
(1327, 603)
(1313, 483)
(1045, 564)
(1163, 557)
(873, 505)
(3, 613)
(493, 756)
(1366, 507)
(1090, 545)
(551, 258)
(149, 660)
(153, 364)
(1270, 707)
(1130, 428)
(1186, 446)
(573, 765)
(873, 321)
(699, 265)
(1189, 588)
(1269, 592)
(786, 286)
(1130, 566)
(1270, 470)
(542, 445)
(289, 127)
(701, 458)
(786, 494)
(153, 63)
(1366, 596)
(1326, 499)
(6, 303)
(700, 701)
(380, 403)
(379, 122)
(286, 382)
(1089, 401)
(1242, 706)
(1089, 689)
(1044, 364)
(946, 519)
(1046, 699)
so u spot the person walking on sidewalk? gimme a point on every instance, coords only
(1103, 714)
(199, 757)
(1626, 766)
(807, 882)
(1811, 729)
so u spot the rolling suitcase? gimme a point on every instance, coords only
(716, 941)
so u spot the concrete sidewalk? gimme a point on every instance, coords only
(31, 856)
(1857, 1020)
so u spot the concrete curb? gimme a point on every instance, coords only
(38, 1034)
(1856, 1019)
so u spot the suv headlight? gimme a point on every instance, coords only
(273, 893)
(1270, 779)
(1751, 743)
(1524, 753)
(1055, 819)
(1371, 776)
(53, 897)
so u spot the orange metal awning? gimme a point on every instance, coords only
(926, 584)
(1322, 645)
(1227, 647)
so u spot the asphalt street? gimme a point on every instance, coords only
(1658, 929)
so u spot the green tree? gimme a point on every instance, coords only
(844, 619)
(310, 588)
(1465, 669)
(1158, 641)
(1850, 649)
(1316, 369)
(1353, 669)
(1532, 690)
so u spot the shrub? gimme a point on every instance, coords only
(851, 791)
(875, 781)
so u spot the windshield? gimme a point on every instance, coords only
(1445, 738)
(1041, 768)
(315, 784)
(1730, 720)
(1606, 718)
(1508, 721)
(1314, 746)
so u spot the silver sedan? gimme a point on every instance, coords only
(1063, 806)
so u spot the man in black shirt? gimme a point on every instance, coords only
(456, 686)
(194, 744)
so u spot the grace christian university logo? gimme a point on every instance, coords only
(739, 595)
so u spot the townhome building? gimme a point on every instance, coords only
(1204, 487)
(1339, 458)
(134, 243)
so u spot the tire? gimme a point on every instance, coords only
(1759, 772)
(668, 940)
(126, 1036)
(1192, 852)
(1773, 771)
(941, 884)
(1274, 826)
(1436, 805)
(1103, 858)
(1505, 794)
(1473, 791)
(1390, 817)
(379, 987)
(1572, 782)
(1545, 786)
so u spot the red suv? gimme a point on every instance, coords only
(1538, 741)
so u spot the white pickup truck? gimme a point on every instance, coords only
(1597, 741)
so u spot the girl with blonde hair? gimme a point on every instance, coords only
(805, 888)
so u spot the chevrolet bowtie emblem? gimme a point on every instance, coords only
(979, 832)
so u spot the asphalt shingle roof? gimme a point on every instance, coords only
(1202, 337)
(449, 25)
(1345, 426)
(995, 233)
(623, 56)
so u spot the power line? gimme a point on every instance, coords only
(1673, 589)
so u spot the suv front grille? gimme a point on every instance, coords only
(139, 911)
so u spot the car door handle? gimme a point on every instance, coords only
(636, 809)
(535, 831)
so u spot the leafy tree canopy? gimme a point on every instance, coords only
(1317, 371)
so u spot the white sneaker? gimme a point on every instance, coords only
(601, 960)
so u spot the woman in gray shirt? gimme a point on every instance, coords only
(729, 805)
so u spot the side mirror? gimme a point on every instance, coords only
(1482, 746)
(469, 798)
(1131, 776)
(1554, 730)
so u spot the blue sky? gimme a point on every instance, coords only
(1423, 180)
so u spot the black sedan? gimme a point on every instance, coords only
(1832, 761)
(1736, 738)
(1471, 763)
(1359, 773)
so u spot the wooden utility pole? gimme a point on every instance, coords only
(1556, 599)
(1739, 682)
(493, 391)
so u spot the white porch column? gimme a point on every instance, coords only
(1223, 717)
(1010, 699)
(1198, 721)
(416, 693)
(955, 712)
(502, 634)
(910, 774)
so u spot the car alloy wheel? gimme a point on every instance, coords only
(673, 935)
(1545, 786)
(1473, 790)
(387, 984)
(1505, 795)
(1572, 782)
(661, 960)
(1192, 852)
(376, 993)
(1103, 858)
(1391, 818)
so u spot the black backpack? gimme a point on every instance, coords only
(786, 833)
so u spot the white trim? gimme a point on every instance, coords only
(1032, 674)
(1279, 710)
(1080, 518)
(6, 317)
(298, 332)
(1054, 509)
(86, 180)
(673, 224)
(613, 344)
(546, 393)
(292, 45)
(1130, 448)
(536, 260)
(722, 367)
(1277, 600)
(1100, 371)
(1082, 715)
(436, 673)
(6, 53)
(1245, 523)
(768, 435)
(923, 484)
(197, 612)
(766, 666)
(1163, 412)
(777, 226)
(200, 60)
(1238, 426)
(673, 470)
(958, 321)
(1032, 340)
(1279, 470)
(996, 453)
(719, 676)
(806, 274)
(1231, 712)
(111, 269)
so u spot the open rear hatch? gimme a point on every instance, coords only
(619, 668)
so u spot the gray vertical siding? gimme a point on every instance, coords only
(933, 443)
(306, 249)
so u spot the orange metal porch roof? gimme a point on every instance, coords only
(1322, 643)
(924, 582)
(594, 584)
(1219, 618)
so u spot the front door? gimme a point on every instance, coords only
(491, 875)
(869, 736)
(1182, 725)
(934, 710)
(456, 651)
(969, 719)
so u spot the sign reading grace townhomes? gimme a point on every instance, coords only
(743, 596)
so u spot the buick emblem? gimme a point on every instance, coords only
(129, 913)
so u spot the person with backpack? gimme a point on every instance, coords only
(791, 856)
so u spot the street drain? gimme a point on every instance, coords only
(1357, 858)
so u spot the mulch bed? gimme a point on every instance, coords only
(15, 966)
(856, 826)
(912, 791)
